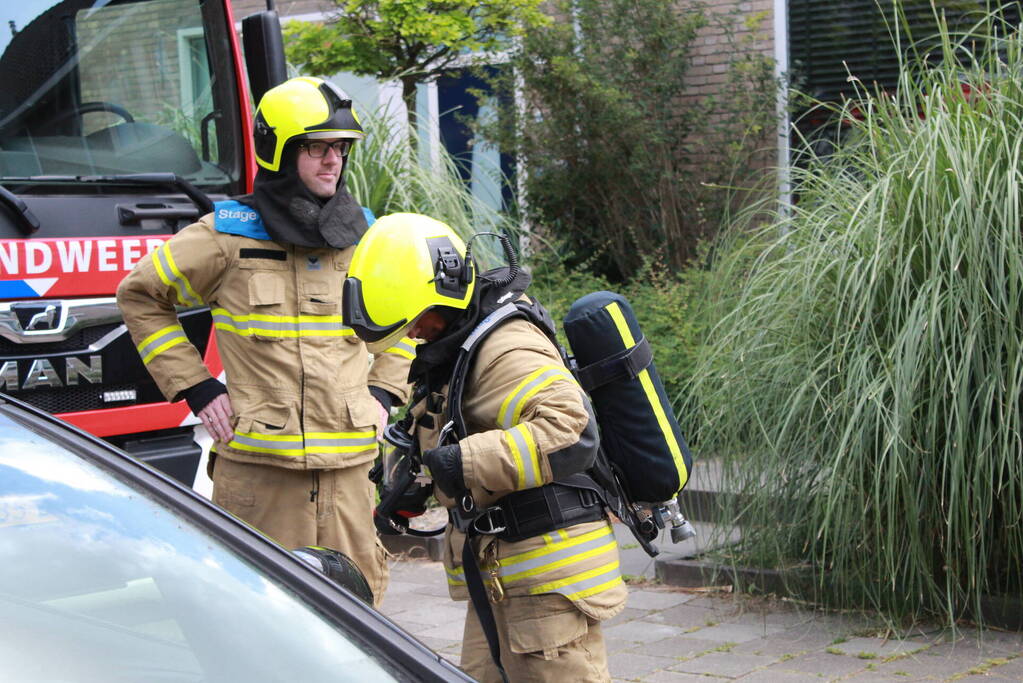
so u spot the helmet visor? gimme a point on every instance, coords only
(381, 345)
(355, 316)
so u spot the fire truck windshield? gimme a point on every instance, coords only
(113, 87)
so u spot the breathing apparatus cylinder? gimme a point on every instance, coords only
(639, 432)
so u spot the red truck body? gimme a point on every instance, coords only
(121, 121)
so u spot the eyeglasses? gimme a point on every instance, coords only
(318, 150)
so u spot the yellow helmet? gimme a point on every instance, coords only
(404, 265)
(301, 108)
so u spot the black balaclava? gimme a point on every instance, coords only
(292, 214)
(435, 361)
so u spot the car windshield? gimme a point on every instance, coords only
(98, 583)
(108, 87)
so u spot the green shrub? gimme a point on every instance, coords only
(863, 385)
(619, 155)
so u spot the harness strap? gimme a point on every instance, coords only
(480, 602)
(624, 365)
(532, 512)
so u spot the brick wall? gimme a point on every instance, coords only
(736, 28)
(751, 23)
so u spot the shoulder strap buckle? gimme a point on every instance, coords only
(490, 521)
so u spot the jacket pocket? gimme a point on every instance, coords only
(268, 430)
(362, 410)
(540, 624)
(266, 298)
(265, 289)
(320, 304)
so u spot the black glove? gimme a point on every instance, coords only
(445, 465)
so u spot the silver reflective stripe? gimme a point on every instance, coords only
(530, 477)
(154, 346)
(588, 583)
(512, 406)
(456, 576)
(249, 326)
(405, 347)
(341, 442)
(493, 319)
(283, 445)
(180, 284)
(522, 569)
(280, 327)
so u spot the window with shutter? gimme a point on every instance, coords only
(831, 39)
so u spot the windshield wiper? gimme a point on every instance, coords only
(26, 219)
(198, 197)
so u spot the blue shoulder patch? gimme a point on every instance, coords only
(235, 218)
(370, 217)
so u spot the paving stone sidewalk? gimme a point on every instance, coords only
(672, 635)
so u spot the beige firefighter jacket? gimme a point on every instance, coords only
(523, 411)
(297, 378)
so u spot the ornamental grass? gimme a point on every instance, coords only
(863, 385)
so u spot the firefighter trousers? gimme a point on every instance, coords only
(329, 508)
(543, 638)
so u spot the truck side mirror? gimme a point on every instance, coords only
(264, 52)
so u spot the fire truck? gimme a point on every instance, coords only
(121, 122)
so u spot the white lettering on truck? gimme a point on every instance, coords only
(9, 257)
(38, 258)
(74, 256)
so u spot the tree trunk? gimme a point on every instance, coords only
(408, 96)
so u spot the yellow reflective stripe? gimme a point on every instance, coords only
(511, 408)
(166, 280)
(284, 326)
(262, 317)
(520, 482)
(406, 348)
(282, 438)
(297, 445)
(456, 576)
(341, 435)
(178, 273)
(554, 547)
(161, 348)
(523, 450)
(155, 335)
(564, 562)
(337, 449)
(568, 582)
(163, 339)
(592, 590)
(265, 449)
(651, 394)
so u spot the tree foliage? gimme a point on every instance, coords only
(609, 133)
(410, 40)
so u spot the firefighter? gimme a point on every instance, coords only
(502, 425)
(295, 429)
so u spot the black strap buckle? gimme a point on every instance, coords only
(624, 365)
(490, 521)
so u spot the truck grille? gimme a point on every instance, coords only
(77, 342)
(72, 399)
(122, 367)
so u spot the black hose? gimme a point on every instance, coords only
(509, 252)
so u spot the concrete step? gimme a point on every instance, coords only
(704, 498)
